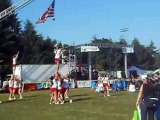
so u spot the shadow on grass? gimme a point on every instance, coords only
(79, 95)
(81, 99)
(8, 101)
(31, 96)
(118, 93)
(16, 100)
(25, 98)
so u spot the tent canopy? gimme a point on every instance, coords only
(135, 69)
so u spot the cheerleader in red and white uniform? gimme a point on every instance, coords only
(10, 82)
(20, 89)
(58, 52)
(106, 86)
(51, 94)
(15, 87)
(14, 60)
(60, 90)
(53, 90)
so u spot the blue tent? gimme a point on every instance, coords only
(135, 69)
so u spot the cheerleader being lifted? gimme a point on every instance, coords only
(58, 53)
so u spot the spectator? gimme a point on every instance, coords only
(146, 100)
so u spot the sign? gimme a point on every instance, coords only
(43, 85)
(127, 50)
(89, 48)
(82, 84)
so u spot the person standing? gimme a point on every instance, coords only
(10, 87)
(53, 89)
(106, 85)
(14, 62)
(60, 90)
(146, 100)
(58, 52)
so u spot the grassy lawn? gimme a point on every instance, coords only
(87, 105)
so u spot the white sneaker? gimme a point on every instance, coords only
(50, 103)
(62, 103)
(9, 98)
(0, 101)
(21, 98)
(57, 103)
(108, 95)
(70, 101)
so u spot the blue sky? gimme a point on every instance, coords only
(77, 21)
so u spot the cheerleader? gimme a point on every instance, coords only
(59, 82)
(66, 86)
(14, 62)
(20, 88)
(58, 52)
(10, 82)
(106, 86)
(15, 87)
(53, 89)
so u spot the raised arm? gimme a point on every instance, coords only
(17, 55)
(139, 95)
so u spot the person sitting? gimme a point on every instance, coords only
(132, 86)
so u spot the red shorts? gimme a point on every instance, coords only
(53, 90)
(16, 90)
(105, 85)
(10, 88)
(56, 60)
(60, 91)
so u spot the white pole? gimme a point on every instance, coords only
(125, 64)
(90, 67)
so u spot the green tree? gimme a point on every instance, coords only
(9, 34)
(36, 49)
(143, 57)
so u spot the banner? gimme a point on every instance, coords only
(43, 85)
(81, 84)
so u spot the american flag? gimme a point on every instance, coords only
(48, 13)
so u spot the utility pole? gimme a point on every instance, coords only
(123, 30)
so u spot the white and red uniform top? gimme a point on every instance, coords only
(14, 61)
(59, 85)
(58, 53)
(10, 82)
(105, 80)
(54, 85)
(15, 84)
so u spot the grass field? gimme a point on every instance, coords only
(87, 105)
